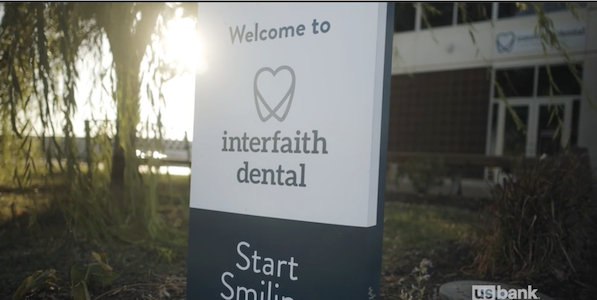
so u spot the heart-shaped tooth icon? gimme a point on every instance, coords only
(505, 41)
(273, 90)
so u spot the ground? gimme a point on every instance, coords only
(438, 228)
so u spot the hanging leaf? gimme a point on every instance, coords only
(80, 291)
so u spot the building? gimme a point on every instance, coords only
(444, 96)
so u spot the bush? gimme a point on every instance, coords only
(542, 222)
(424, 173)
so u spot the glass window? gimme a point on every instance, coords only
(493, 133)
(515, 134)
(515, 82)
(405, 14)
(557, 6)
(517, 9)
(549, 137)
(474, 11)
(563, 78)
(575, 120)
(437, 14)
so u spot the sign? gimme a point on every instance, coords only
(570, 36)
(289, 151)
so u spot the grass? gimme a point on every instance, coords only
(32, 199)
(44, 245)
(408, 228)
(414, 227)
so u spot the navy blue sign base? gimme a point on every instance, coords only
(254, 258)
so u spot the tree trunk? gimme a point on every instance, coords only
(127, 48)
(124, 155)
(128, 85)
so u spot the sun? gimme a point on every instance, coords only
(183, 46)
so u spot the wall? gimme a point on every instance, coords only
(451, 48)
(451, 117)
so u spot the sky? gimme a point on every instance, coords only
(181, 46)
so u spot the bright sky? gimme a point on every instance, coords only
(183, 47)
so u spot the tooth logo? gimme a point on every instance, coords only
(505, 41)
(278, 87)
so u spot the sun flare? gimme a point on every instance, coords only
(183, 46)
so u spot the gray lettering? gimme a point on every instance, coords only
(325, 27)
(274, 35)
(265, 140)
(291, 180)
(255, 173)
(224, 139)
(317, 139)
(254, 143)
(236, 33)
(246, 291)
(284, 30)
(244, 171)
(298, 142)
(227, 286)
(300, 30)
(314, 24)
(232, 139)
(287, 147)
(305, 140)
(255, 259)
(280, 171)
(245, 138)
(276, 139)
(243, 256)
(292, 264)
(280, 264)
(265, 172)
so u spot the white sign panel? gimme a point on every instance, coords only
(288, 116)
(570, 36)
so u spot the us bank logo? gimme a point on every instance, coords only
(505, 41)
(274, 91)
(493, 292)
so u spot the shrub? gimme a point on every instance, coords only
(542, 222)
(417, 292)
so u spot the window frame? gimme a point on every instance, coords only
(536, 67)
(497, 17)
(493, 17)
(535, 101)
(416, 8)
(455, 16)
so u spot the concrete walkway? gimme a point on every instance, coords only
(471, 188)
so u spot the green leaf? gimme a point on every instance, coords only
(80, 292)
(24, 287)
(98, 274)
(77, 274)
(470, 32)
(35, 281)
(102, 261)
(106, 278)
